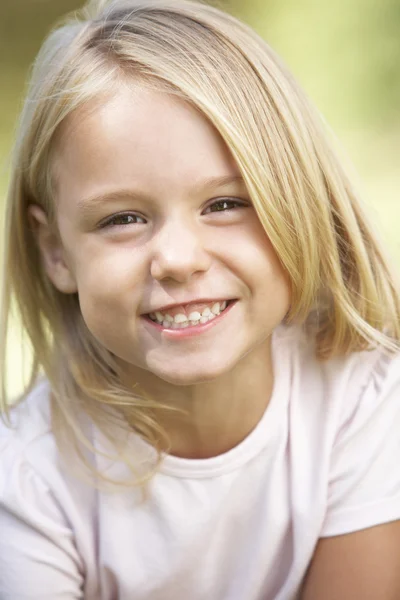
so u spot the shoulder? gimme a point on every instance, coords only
(343, 421)
(359, 381)
(26, 441)
(39, 511)
(29, 452)
(35, 479)
(29, 422)
(340, 411)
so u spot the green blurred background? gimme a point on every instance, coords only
(346, 54)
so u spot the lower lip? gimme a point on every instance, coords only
(191, 331)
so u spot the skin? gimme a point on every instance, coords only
(363, 565)
(153, 157)
(160, 153)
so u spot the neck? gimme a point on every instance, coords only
(215, 416)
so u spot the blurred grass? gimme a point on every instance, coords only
(346, 55)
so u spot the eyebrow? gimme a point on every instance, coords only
(87, 205)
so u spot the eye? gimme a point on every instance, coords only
(122, 219)
(224, 204)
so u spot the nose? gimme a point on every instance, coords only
(178, 253)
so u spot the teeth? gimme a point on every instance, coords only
(180, 318)
(194, 316)
(181, 321)
(215, 308)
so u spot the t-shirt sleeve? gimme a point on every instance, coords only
(38, 558)
(364, 485)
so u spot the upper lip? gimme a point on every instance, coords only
(165, 307)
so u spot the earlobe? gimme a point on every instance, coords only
(51, 250)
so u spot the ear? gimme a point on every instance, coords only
(51, 250)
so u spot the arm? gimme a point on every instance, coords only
(358, 554)
(363, 565)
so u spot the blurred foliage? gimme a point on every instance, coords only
(346, 54)
(23, 25)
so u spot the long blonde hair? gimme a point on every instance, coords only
(341, 283)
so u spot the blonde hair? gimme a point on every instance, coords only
(341, 283)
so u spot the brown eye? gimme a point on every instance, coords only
(225, 204)
(123, 219)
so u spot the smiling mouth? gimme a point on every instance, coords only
(183, 321)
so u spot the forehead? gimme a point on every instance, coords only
(138, 137)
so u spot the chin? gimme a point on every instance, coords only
(189, 377)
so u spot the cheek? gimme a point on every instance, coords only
(257, 256)
(104, 270)
(110, 312)
(109, 286)
(268, 275)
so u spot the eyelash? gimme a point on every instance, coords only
(238, 203)
(227, 201)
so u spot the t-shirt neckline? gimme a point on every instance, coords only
(259, 438)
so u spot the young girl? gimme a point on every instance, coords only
(214, 405)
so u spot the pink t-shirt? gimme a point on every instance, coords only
(324, 460)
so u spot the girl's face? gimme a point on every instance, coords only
(154, 218)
